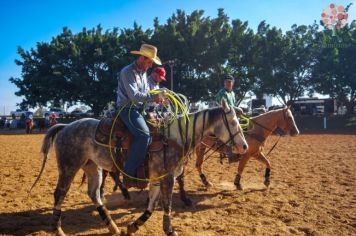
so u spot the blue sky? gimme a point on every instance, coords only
(26, 22)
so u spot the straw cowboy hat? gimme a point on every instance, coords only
(149, 51)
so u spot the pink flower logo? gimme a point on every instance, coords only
(334, 17)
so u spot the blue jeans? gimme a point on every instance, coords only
(137, 126)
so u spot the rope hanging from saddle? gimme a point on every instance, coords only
(176, 108)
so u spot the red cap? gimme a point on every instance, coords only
(161, 72)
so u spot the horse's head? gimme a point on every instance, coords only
(229, 130)
(286, 122)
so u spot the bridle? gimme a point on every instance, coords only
(231, 141)
(278, 130)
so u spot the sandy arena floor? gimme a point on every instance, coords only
(312, 192)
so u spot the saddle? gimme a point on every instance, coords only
(121, 138)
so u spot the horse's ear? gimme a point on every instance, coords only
(239, 111)
(225, 105)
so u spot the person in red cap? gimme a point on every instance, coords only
(52, 119)
(158, 75)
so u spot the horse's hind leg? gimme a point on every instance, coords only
(116, 177)
(94, 174)
(65, 179)
(199, 152)
(261, 157)
(153, 196)
(183, 194)
(166, 196)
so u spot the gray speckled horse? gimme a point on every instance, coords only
(76, 149)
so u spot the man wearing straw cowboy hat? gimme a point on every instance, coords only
(133, 90)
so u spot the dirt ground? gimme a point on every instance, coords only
(312, 192)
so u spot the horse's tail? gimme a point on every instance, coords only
(46, 145)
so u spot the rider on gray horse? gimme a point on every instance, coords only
(133, 89)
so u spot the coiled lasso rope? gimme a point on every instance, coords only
(176, 108)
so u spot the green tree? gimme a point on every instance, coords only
(242, 58)
(72, 68)
(335, 68)
(200, 45)
(284, 62)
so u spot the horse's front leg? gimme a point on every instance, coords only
(154, 190)
(95, 178)
(261, 158)
(116, 177)
(102, 186)
(166, 197)
(183, 194)
(199, 152)
(240, 169)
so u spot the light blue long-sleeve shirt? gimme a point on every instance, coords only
(133, 86)
(152, 84)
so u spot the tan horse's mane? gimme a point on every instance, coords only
(269, 113)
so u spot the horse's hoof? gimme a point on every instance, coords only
(209, 185)
(238, 187)
(59, 232)
(267, 183)
(172, 233)
(113, 228)
(131, 228)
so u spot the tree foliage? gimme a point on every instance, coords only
(82, 67)
(334, 72)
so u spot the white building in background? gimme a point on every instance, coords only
(267, 101)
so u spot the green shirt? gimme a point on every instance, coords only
(228, 96)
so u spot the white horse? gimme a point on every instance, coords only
(76, 149)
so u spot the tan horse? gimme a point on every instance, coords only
(263, 126)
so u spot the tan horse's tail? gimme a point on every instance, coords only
(46, 145)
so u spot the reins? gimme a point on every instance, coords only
(278, 131)
(221, 144)
(210, 148)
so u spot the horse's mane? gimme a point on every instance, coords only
(268, 113)
(214, 114)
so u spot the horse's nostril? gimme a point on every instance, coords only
(244, 146)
